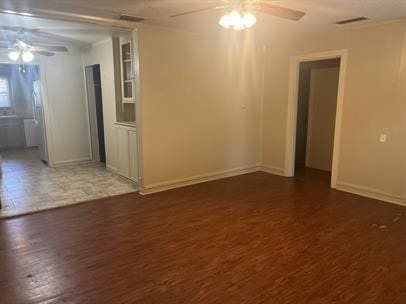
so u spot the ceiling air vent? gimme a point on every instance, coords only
(353, 20)
(131, 18)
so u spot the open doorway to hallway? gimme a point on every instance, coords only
(27, 183)
(316, 118)
(67, 132)
(95, 105)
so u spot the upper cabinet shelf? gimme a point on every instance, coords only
(127, 70)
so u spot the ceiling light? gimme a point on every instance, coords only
(225, 21)
(249, 20)
(14, 55)
(236, 21)
(27, 56)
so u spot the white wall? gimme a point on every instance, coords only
(68, 130)
(102, 53)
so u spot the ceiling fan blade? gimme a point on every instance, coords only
(278, 11)
(213, 7)
(44, 53)
(53, 38)
(22, 44)
(48, 48)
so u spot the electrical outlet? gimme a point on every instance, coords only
(383, 138)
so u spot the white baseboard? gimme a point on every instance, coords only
(342, 186)
(371, 193)
(158, 187)
(73, 161)
(111, 168)
(273, 170)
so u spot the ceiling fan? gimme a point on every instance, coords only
(239, 14)
(23, 50)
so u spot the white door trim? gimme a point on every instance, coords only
(86, 98)
(138, 106)
(47, 112)
(294, 70)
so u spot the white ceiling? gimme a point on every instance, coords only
(52, 31)
(320, 14)
(161, 9)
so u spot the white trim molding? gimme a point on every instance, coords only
(138, 106)
(47, 114)
(371, 193)
(294, 70)
(197, 179)
(111, 168)
(273, 170)
(73, 161)
(86, 98)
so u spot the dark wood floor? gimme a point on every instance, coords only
(256, 238)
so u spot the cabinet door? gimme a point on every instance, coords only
(127, 72)
(123, 152)
(132, 136)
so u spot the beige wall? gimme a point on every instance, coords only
(200, 104)
(374, 103)
(322, 117)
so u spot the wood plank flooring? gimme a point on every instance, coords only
(255, 238)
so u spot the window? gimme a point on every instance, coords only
(5, 100)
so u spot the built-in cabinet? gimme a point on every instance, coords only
(127, 151)
(133, 149)
(127, 70)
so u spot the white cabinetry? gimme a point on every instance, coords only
(133, 150)
(127, 151)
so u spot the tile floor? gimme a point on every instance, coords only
(28, 185)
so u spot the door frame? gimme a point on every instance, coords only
(46, 108)
(294, 71)
(138, 106)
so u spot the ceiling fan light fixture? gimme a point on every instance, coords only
(27, 56)
(236, 21)
(14, 55)
(249, 20)
(225, 21)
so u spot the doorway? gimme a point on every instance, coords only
(316, 114)
(95, 107)
(22, 119)
(316, 88)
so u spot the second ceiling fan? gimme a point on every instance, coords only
(239, 14)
